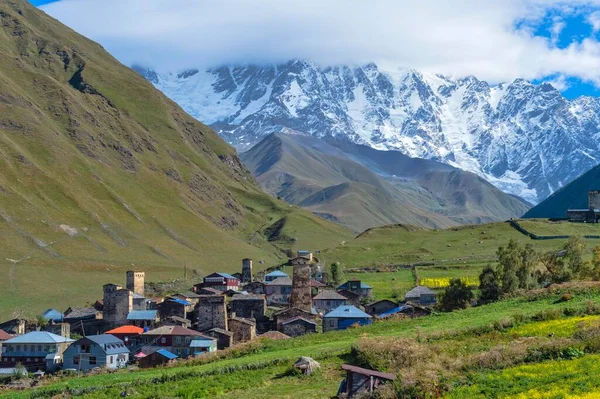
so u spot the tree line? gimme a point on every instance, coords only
(521, 267)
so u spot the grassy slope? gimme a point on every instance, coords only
(87, 143)
(270, 380)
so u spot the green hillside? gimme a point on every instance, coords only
(362, 188)
(99, 172)
(572, 196)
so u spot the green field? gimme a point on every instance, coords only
(387, 285)
(543, 227)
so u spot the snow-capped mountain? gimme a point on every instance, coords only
(526, 139)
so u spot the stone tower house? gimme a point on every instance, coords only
(301, 291)
(246, 271)
(135, 282)
(118, 302)
(594, 199)
(211, 312)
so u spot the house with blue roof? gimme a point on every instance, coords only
(344, 317)
(53, 315)
(143, 318)
(156, 358)
(357, 287)
(174, 307)
(36, 350)
(274, 275)
(95, 351)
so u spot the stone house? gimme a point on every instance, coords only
(353, 299)
(36, 350)
(93, 351)
(317, 287)
(14, 326)
(211, 312)
(75, 315)
(345, 317)
(298, 326)
(156, 358)
(174, 307)
(255, 287)
(249, 306)
(243, 329)
(421, 296)
(279, 291)
(378, 307)
(224, 338)
(286, 314)
(357, 287)
(143, 318)
(175, 339)
(207, 291)
(328, 300)
(190, 297)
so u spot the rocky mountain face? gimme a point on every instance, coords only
(524, 138)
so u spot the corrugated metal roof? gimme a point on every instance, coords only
(173, 330)
(277, 273)
(142, 315)
(52, 314)
(126, 330)
(394, 311)
(347, 311)
(418, 291)
(4, 335)
(293, 319)
(285, 281)
(38, 337)
(179, 301)
(330, 294)
(202, 342)
(167, 354)
(227, 275)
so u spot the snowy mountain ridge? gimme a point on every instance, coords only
(526, 139)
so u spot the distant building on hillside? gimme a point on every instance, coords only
(421, 296)
(357, 287)
(590, 215)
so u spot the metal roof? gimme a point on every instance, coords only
(52, 314)
(38, 337)
(142, 315)
(4, 335)
(227, 275)
(173, 330)
(346, 285)
(126, 330)
(398, 309)
(179, 301)
(330, 294)
(167, 354)
(418, 291)
(348, 312)
(81, 313)
(277, 273)
(202, 342)
(293, 319)
(285, 281)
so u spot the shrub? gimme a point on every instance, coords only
(564, 298)
(548, 314)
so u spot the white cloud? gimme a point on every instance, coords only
(492, 40)
(594, 20)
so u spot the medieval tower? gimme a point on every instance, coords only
(246, 271)
(301, 290)
(135, 282)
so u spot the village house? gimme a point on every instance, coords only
(203, 344)
(344, 317)
(286, 314)
(328, 300)
(279, 291)
(353, 299)
(357, 287)
(190, 297)
(317, 287)
(143, 318)
(4, 336)
(52, 315)
(129, 334)
(224, 338)
(156, 358)
(298, 326)
(243, 329)
(176, 321)
(249, 306)
(175, 339)
(359, 381)
(274, 275)
(211, 312)
(14, 326)
(421, 296)
(174, 307)
(36, 350)
(220, 281)
(94, 351)
(206, 290)
(75, 315)
(255, 287)
(378, 307)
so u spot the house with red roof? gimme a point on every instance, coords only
(128, 334)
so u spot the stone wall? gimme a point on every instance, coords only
(301, 290)
(243, 330)
(253, 307)
(211, 312)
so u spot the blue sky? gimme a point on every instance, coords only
(495, 40)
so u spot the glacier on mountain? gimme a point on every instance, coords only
(526, 139)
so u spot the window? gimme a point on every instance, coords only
(75, 359)
(85, 348)
(177, 340)
(92, 360)
(187, 340)
(331, 323)
(163, 340)
(18, 348)
(39, 348)
(110, 360)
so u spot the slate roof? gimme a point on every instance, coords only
(277, 273)
(330, 295)
(167, 354)
(126, 330)
(381, 301)
(346, 285)
(173, 330)
(285, 281)
(418, 291)
(38, 337)
(243, 320)
(347, 312)
(298, 318)
(221, 331)
(315, 283)
(142, 315)
(211, 290)
(248, 297)
(348, 294)
(188, 295)
(81, 313)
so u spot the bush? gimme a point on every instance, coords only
(548, 314)
(564, 298)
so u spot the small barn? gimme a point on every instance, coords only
(359, 381)
(298, 326)
(224, 338)
(156, 358)
(421, 295)
(379, 307)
